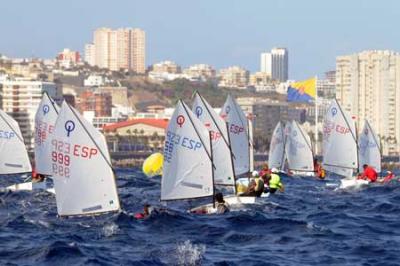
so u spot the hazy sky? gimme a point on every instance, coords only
(217, 32)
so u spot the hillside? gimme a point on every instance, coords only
(143, 93)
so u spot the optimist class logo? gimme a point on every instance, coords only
(180, 120)
(199, 111)
(45, 109)
(69, 127)
(334, 111)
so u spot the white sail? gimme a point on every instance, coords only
(369, 148)
(339, 142)
(222, 157)
(251, 143)
(45, 120)
(81, 167)
(298, 149)
(276, 156)
(238, 133)
(187, 170)
(13, 157)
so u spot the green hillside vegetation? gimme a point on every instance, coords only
(145, 93)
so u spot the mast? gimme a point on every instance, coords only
(284, 145)
(233, 165)
(251, 146)
(316, 117)
(212, 168)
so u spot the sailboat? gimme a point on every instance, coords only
(188, 170)
(14, 157)
(82, 172)
(340, 149)
(299, 150)
(276, 155)
(369, 151)
(239, 135)
(221, 147)
(45, 120)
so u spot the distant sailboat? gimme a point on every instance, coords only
(45, 119)
(83, 177)
(239, 135)
(339, 142)
(188, 171)
(299, 150)
(14, 158)
(276, 155)
(188, 168)
(221, 146)
(369, 151)
(340, 147)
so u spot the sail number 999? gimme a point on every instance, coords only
(60, 164)
(60, 158)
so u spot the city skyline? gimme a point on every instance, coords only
(221, 34)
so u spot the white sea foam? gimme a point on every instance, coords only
(189, 254)
(110, 229)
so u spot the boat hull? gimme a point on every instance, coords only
(353, 183)
(29, 186)
(234, 202)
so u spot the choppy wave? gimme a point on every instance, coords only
(310, 224)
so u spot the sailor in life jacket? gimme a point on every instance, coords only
(36, 177)
(147, 211)
(389, 177)
(275, 182)
(368, 174)
(256, 186)
(318, 170)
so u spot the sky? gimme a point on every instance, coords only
(217, 32)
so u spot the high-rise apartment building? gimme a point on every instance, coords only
(21, 99)
(368, 86)
(90, 54)
(117, 49)
(276, 64)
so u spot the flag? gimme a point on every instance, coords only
(302, 91)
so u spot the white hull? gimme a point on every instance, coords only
(29, 186)
(353, 183)
(302, 173)
(234, 202)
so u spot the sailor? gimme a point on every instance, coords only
(265, 179)
(147, 211)
(389, 177)
(275, 182)
(256, 186)
(265, 172)
(368, 174)
(318, 170)
(36, 177)
(222, 206)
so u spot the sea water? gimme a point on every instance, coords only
(312, 223)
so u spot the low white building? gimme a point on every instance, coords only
(94, 81)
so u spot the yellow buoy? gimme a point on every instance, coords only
(153, 165)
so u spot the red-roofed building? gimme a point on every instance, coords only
(143, 126)
(136, 134)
